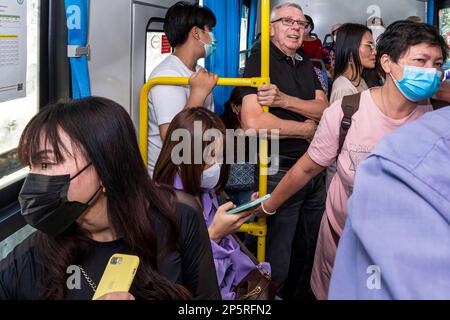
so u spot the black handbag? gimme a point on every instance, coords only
(257, 284)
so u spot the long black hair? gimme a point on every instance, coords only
(229, 117)
(103, 131)
(311, 23)
(348, 41)
(190, 172)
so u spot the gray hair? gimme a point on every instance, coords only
(282, 5)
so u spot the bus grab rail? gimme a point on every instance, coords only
(259, 228)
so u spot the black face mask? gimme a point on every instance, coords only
(44, 205)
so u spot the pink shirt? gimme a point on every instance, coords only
(369, 126)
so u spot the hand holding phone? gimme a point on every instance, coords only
(118, 275)
(249, 205)
(224, 224)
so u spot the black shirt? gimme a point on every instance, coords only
(190, 265)
(299, 80)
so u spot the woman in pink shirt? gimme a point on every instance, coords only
(411, 56)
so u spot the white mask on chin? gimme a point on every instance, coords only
(377, 31)
(210, 177)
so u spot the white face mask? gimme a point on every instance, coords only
(210, 177)
(377, 31)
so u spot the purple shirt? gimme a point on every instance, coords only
(232, 265)
(396, 239)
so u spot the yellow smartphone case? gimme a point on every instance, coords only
(118, 275)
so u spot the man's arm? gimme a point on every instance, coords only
(312, 109)
(254, 117)
(294, 180)
(202, 83)
(270, 95)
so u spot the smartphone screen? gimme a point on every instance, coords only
(249, 205)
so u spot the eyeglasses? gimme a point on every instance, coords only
(290, 22)
(372, 46)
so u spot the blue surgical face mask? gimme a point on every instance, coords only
(418, 83)
(210, 47)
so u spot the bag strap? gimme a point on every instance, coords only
(258, 265)
(245, 250)
(350, 104)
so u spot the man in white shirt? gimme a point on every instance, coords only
(188, 29)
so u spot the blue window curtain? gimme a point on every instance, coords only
(430, 11)
(225, 62)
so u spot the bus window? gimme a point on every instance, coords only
(243, 37)
(7, 245)
(444, 27)
(15, 114)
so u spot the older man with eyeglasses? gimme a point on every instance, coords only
(296, 102)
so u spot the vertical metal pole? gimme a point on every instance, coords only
(263, 152)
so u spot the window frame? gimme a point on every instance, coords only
(54, 84)
(438, 5)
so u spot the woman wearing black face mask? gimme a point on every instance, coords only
(89, 196)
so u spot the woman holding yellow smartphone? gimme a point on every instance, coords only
(89, 196)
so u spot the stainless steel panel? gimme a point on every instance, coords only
(117, 40)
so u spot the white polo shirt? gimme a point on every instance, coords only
(165, 102)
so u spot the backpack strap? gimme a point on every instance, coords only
(350, 104)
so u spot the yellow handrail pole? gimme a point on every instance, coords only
(175, 81)
(263, 152)
(257, 229)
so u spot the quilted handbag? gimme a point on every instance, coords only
(241, 178)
